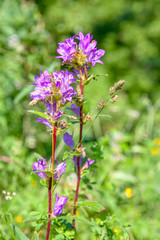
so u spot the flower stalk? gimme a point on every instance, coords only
(79, 145)
(51, 179)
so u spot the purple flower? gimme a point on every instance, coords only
(80, 54)
(68, 140)
(44, 121)
(43, 86)
(41, 165)
(54, 84)
(75, 161)
(74, 108)
(87, 164)
(60, 170)
(59, 204)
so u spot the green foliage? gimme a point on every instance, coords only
(18, 234)
(129, 33)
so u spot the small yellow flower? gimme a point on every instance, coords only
(115, 230)
(128, 192)
(155, 151)
(78, 213)
(19, 219)
(33, 183)
(157, 141)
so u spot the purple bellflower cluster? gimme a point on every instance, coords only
(55, 90)
(54, 84)
(82, 53)
(42, 166)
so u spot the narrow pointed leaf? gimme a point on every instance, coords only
(93, 205)
(19, 235)
(41, 114)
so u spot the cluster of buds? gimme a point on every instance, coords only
(101, 104)
(117, 86)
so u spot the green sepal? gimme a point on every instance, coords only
(94, 77)
(44, 182)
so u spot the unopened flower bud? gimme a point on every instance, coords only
(101, 104)
(112, 90)
(114, 99)
(78, 91)
(33, 102)
(63, 124)
(72, 117)
(82, 151)
(88, 117)
(119, 84)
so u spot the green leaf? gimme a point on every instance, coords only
(66, 155)
(19, 235)
(41, 114)
(78, 218)
(35, 236)
(2, 237)
(93, 205)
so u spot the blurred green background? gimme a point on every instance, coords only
(128, 142)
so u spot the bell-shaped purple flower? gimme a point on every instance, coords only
(59, 204)
(68, 140)
(74, 108)
(41, 165)
(75, 161)
(60, 169)
(87, 164)
(44, 121)
(52, 112)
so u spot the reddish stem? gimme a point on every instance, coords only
(54, 135)
(80, 143)
(49, 208)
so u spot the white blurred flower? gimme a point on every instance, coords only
(8, 197)
(71, 179)
(13, 41)
(133, 113)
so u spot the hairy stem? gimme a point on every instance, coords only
(79, 145)
(54, 135)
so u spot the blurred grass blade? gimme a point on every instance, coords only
(93, 205)
(25, 91)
